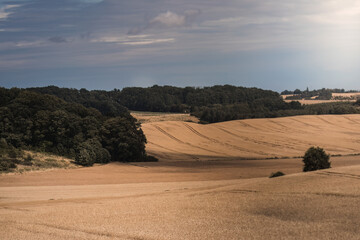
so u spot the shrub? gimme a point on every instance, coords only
(6, 165)
(28, 160)
(84, 158)
(276, 174)
(315, 159)
(91, 152)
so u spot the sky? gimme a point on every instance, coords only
(107, 44)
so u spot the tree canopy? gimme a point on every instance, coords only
(43, 122)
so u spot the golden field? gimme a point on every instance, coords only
(211, 183)
(309, 102)
(253, 138)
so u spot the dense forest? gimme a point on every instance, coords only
(42, 122)
(209, 104)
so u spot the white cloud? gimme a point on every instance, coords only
(135, 40)
(149, 41)
(28, 43)
(4, 13)
(169, 19)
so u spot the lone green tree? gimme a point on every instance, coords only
(315, 159)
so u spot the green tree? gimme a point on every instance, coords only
(315, 159)
(124, 139)
(84, 157)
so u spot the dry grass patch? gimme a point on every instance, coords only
(36, 161)
(147, 117)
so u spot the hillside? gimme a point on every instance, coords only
(253, 138)
(315, 205)
(229, 198)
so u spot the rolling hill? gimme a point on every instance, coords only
(253, 138)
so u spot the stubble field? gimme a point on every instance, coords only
(211, 183)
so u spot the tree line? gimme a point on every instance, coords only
(209, 104)
(102, 133)
(319, 94)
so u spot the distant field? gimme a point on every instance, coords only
(347, 95)
(253, 138)
(307, 102)
(336, 97)
(146, 117)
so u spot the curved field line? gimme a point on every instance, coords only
(221, 143)
(296, 142)
(65, 230)
(172, 150)
(347, 175)
(285, 128)
(169, 135)
(304, 123)
(352, 120)
(248, 125)
(260, 142)
(258, 128)
(186, 143)
(333, 124)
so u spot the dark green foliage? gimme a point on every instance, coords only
(123, 138)
(357, 103)
(28, 160)
(320, 94)
(315, 159)
(210, 104)
(174, 99)
(13, 153)
(6, 164)
(100, 100)
(42, 122)
(331, 108)
(8, 156)
(297, 91)
(84, 158)
(91, 152)
(276, 174)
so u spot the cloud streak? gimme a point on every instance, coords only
(137, 40)
(167, 19)
(4, 11)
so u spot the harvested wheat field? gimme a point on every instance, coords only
(316, 205)
(203, 187)
(253, 138)
(309, 102)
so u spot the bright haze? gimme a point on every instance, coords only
(95, 44)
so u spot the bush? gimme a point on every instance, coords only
(84, 158)
(276, 174)
(28, 160)
(6, 165)
(91, 152)
(315, 159)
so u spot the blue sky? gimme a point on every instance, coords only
(94, 44)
